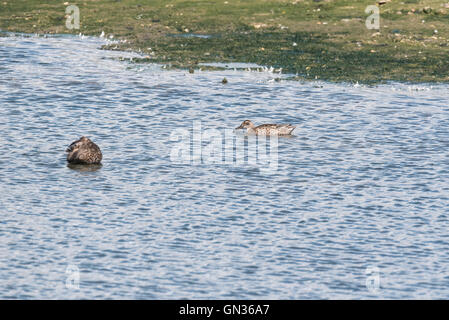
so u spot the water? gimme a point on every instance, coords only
(360, 194)
(192, 35)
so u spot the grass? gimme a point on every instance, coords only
(315, 39)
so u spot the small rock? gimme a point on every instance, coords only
(224, 81)
(191, 70)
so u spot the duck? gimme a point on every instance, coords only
(267, 129)
(84, 151)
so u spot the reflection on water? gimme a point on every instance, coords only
(360, 191)
(84, 167)
(192, 35)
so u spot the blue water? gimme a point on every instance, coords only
(363, 185)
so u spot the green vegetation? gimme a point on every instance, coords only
(316, 39)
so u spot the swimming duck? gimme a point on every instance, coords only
(84, 151)
(267, 129)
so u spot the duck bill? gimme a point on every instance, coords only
(239, 127)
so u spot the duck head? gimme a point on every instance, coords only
(74, 146)
(246, 125)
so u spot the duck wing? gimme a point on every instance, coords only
(268, 126)
(279, 129)
(287, 129)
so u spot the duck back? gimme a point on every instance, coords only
(84, 151)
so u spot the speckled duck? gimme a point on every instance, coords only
(267, 129)
(84, 151)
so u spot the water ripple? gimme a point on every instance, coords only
(363, 183)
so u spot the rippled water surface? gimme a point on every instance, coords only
(360, 191)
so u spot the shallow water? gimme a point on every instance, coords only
(359, 193)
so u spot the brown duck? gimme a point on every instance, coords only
(84, 151)
(267, 129)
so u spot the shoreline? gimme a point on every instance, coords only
(254, 68)
(283, 34)
(202, 67)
